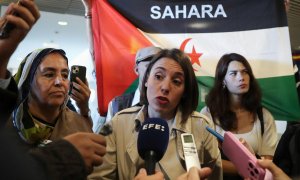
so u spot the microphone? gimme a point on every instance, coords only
(152, 142)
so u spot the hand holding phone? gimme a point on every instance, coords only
(24, 15)
(5, 30)
(78, 71)
(7, 27)
(240, 156)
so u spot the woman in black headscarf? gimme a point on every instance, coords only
(41, 114)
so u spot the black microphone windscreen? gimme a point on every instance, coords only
(153, 136)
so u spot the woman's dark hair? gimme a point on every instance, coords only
(218, 99)
(189, 100)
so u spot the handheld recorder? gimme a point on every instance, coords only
(190, 151)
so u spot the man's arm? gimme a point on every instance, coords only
(28, 14)
(88, 16)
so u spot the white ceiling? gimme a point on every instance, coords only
(74, 7)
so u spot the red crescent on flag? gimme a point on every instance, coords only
(184, 43)
(193, 55)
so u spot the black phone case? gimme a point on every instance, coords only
(78, 71)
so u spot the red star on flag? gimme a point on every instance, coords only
(195, 56)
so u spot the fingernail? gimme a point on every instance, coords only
(142, 170)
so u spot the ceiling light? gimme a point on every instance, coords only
(62, 23)
(50, 45)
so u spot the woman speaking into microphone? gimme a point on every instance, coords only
(169, 92)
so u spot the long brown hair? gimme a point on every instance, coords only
(218, 100)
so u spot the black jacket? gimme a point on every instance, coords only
(287, 154)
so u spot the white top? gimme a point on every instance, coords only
(249, 137)
(262, 145)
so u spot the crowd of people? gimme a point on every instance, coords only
(44, 139)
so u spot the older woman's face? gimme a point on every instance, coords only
(165, 87)
(50, 84)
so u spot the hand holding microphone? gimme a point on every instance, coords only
(152, 142)
(142, 175)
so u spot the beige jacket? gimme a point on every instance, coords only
(122, 160)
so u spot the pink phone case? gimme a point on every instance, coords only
(244, 161)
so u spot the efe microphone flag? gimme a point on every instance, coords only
(152, 142)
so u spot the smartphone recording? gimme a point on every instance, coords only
(78, 71)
